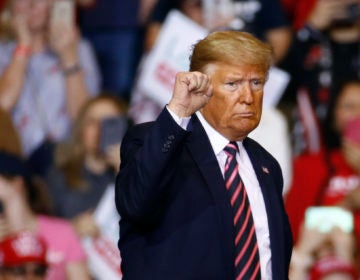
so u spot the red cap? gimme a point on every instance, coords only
(22, 248)
(332, 264)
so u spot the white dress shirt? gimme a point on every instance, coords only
(247, 174)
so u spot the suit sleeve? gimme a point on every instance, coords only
(148, 162)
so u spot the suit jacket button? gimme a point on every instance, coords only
(164, 150)
(171, 137)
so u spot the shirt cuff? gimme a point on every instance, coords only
(181, 121)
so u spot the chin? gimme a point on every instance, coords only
(246, 125)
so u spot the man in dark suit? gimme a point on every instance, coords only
(198, 199)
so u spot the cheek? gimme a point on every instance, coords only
(343, 116)
(216, 108)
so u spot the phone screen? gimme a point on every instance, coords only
(325, 218)
(112, 131)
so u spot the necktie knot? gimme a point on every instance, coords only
(231, 148)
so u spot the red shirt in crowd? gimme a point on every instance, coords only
(319, 181)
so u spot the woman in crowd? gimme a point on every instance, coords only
(46, 73)
(84, 167)
(332, 176)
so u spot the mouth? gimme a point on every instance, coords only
(245, 115)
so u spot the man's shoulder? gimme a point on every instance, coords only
(257, 151)
(252, 145)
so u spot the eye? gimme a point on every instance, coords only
(231, 85)
(257, 84)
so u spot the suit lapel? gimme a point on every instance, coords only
(272, 204)
(201, 151)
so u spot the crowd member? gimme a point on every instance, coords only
(182, 203)
(84, 168)
(335, 174)
(46, 73)
(115, 29)
(23, 256)
(24, 205)
(324, 52)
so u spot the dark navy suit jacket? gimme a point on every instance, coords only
(176, 219)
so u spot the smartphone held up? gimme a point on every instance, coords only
(112, 131)
(325, 218)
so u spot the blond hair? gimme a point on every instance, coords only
(231, 47)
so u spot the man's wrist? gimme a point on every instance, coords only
(178, 110)
(181, 121)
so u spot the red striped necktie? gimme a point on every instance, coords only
(247, 260)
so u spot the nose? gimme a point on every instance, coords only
(246, 94)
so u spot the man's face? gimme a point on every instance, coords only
(235, 108)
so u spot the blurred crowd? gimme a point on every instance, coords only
(70, 75)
